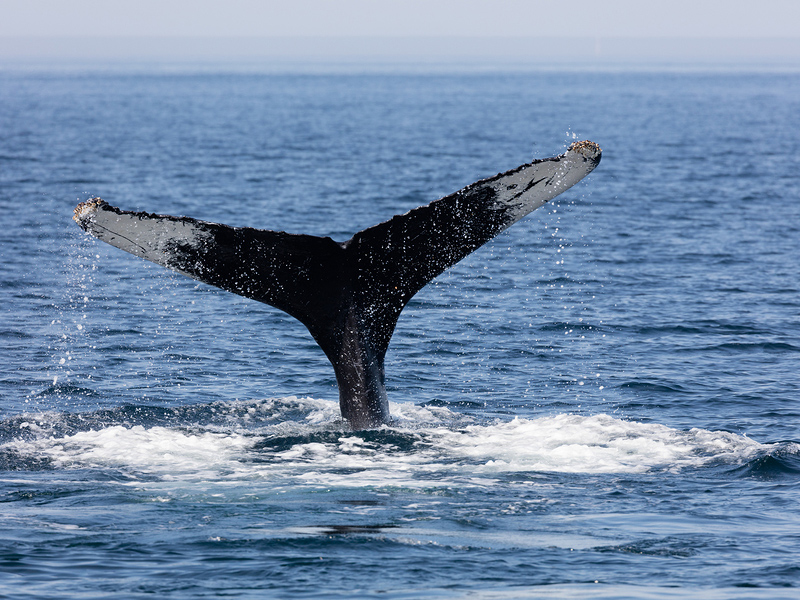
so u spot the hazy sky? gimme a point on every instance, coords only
(116, 21)
(630, 18)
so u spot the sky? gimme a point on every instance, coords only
(445, 29)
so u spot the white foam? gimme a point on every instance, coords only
(407, 414)
(591, 444)
(419, 451)
(155, 450)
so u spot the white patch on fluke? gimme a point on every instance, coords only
(151, 237)
(553, 176)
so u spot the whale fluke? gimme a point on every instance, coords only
(349, 295)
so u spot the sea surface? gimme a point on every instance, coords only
(603, 402)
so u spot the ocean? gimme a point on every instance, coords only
(602, 402)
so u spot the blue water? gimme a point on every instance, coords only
(602, 402)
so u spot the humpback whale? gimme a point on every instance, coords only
(350, 294)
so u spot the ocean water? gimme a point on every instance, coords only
(602, 402)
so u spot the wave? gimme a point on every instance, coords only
(303, 441)
(644, 386)
(782, 461)
(751, 347)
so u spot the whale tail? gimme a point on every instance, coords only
(349, 295)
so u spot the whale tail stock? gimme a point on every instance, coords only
(349, 295)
